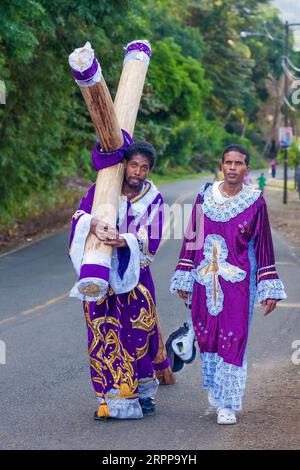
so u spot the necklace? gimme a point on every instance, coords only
(131, 195)
(226, 194)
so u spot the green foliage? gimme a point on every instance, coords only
(293, 154)
(204, 89)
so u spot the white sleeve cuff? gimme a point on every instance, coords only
(132, 274)
(270, 289)
(80, 235)
(182, 280)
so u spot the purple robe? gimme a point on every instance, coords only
(226, 258)
(122, 327)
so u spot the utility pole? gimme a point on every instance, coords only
(245, 34)
(286, 110)
(286, 114)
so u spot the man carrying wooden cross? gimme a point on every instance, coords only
(112, 247)
(122, 329)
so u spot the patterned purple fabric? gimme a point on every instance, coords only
(102, 159)
(138, 46)
(123, 338)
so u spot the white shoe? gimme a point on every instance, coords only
(183, 345)
(226, 416)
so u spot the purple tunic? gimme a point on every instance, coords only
(122, 329)
(237, 245)
(227, 258)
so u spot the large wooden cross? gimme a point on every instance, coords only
(108, 119)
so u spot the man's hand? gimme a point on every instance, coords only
(182, 294)
(103, 230)
(268, 306)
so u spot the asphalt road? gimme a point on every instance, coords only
(47, 400)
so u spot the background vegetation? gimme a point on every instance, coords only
(206, 86)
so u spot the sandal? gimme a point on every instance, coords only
(226, 416)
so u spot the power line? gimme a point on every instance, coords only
(288, 72)
(286, 101)
(291, 64)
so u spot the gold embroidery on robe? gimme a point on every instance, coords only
(103, 360)
(141, 352)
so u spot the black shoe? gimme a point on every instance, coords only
(147, 405)
(100, 418)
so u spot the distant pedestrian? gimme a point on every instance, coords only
(262, 182)
(273, 168)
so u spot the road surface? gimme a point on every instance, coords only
(47, 400)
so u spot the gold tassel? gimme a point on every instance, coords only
(103, 411)
(124, 390)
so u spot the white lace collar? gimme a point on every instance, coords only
(220, 209)
(140, 203)
(217, 195)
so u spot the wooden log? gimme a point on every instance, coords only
(103, 115)
(109, 180)
(131, 85)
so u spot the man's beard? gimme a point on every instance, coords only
(131, 185)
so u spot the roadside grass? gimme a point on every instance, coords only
(37, 206)
(279, 184)
(176, 175)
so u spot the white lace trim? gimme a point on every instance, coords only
(148, 389)
(181, 280)
(139, 207)
(215, 253)
(81, 232)
(75, 291)
(225, 382)
(231, 207)
(270, 289)
(132, 273)
(266, 267)
(122, 408)
(186, 259)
